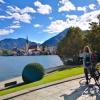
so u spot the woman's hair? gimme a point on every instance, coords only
(87, 49)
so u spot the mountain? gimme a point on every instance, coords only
(11, 43)
(54, 40)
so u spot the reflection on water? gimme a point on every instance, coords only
(12, 66)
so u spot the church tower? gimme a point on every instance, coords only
(26, 46)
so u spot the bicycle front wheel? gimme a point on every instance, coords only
(97, 78)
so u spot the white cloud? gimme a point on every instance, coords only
(72, 17)
(20, 14)
(56, 26)
(50, 18)
(43, 9)
(92, 6)
(26, 18)
(5, 17)
(85, 19)
(2, 1)
(15, 9)
(98, 2)
(37, 25)
(28, 10)
(66, 6)
(73, 20)
(81, 9)
(6, 31)
(15, 26)
(16, 22)
(9, 29)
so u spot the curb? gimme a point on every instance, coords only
(26, 91)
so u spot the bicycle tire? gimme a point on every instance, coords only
(97, 78)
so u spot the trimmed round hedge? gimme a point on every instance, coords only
(32, 72)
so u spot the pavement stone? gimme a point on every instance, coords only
(71, 90)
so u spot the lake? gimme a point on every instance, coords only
(12, 66)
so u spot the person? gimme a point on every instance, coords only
(94, 59)
(86, 61)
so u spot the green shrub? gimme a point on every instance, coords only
(32, 72)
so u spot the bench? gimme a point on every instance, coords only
(10, 84)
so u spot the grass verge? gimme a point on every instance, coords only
(51, 77)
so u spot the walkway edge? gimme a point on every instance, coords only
(25, 91)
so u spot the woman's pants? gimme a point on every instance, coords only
(86, 73)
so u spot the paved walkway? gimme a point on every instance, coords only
(71, 90)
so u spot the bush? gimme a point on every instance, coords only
(32, 72)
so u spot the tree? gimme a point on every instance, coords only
(71, 44)
(94, 35)
(5, 52)
(99, 19)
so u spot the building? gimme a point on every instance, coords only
(17, 52)
(50, 49)
(35, 50)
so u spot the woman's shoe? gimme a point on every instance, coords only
(87, 83)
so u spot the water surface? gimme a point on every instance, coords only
(12, 66)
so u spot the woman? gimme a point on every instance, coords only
(86, 61)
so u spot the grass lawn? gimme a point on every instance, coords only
(51, 77)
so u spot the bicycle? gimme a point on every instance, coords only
(95, 74)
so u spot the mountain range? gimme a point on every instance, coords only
(20, 42)
(11, 43)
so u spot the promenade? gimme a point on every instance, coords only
(67, 89)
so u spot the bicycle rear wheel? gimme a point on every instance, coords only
(97, 78)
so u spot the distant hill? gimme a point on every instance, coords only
(11, 43)
(54, 40)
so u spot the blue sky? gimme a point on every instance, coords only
(43, 19)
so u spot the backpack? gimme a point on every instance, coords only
(93, 57)
(87, 60)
